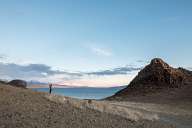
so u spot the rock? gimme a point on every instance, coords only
(159, 73)
(3, 82)
(89, 101)
(188, 74)
(154, 77)
(18, 83)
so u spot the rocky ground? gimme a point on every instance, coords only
(23, 108)
(158, 92)
(179, 115)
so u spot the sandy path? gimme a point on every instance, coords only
(178, 115)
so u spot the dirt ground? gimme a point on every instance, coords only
(172, 106)
(178, 115)
(23, 108)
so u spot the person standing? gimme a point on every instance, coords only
(50, 88)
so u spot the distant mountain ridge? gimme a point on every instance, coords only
(33, 82)
(154, 77)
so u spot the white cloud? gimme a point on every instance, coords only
(101, 52)
(3, 57)
(104, 81)
(44, 73)
(98, 49)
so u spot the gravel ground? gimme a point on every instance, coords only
(23, 108)
(177, 115)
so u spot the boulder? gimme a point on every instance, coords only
(18, 83)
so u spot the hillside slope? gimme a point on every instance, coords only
(159, 80)
(23, 108)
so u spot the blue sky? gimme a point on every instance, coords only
(94, 35)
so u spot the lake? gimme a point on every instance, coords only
(83, 93)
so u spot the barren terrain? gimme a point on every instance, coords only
(23, 108)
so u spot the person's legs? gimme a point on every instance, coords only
(49, 90)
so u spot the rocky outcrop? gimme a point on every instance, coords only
(18, 83)
(3, 82)
(154, 77)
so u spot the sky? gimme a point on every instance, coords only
(91, 42)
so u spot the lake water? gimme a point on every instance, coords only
(83, 93)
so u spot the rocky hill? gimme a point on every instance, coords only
(18, 83)
(156, 76)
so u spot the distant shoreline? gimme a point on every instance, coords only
(46, 86)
